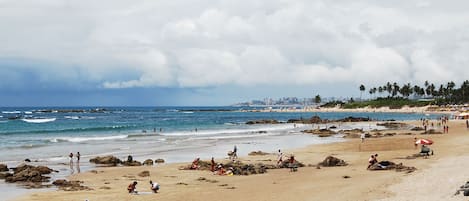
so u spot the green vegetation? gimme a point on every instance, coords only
(392, 103)
(394, 96)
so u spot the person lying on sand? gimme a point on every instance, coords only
(154, 187)
(132, 187)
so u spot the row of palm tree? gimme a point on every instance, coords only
(445, 93)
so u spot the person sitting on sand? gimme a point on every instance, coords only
(154, 187)
(221, 169)
(195, 164)
(132, 187)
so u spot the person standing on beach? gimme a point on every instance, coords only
(280, 158)
(78, 161)
(235, 152)
(212, 165)
(78, 157)
(71, 159)
(362, 136)
(467, 124)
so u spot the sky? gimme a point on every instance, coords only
(205, 52)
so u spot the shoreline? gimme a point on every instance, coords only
(405, 109)
(374, 184)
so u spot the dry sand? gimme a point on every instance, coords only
(436, 178)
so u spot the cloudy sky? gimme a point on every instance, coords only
(205, 52)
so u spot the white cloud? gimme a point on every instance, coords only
(126, 44)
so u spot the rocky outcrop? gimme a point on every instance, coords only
(353, 119)
(388, 165)
(331, 161)
(263, 121)
(3, 168)
(312, 120)
(65, 185)
(28, 173)
(4, 175)
(287, 164)
(106, 160)
(148, 162)
(320, 132)
(392, 125)
(159, 160)
(133, 163)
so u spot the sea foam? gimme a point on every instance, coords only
(84, 139)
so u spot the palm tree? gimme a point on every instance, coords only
(395, 89)
(380, 89)
(389, 88)
(317, 99)
(362, 89)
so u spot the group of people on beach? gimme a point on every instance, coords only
(78, 155)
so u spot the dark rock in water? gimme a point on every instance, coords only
(312, 120)
(145, 173)
(332, 127)
(3, 168)
(148, 162)
(27, 160)
(107, 160)
(331, 161)
(263, 121)
(257, 153)
(65, 185)
(353, 119)
(160, 160)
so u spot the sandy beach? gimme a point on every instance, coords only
(436, 178)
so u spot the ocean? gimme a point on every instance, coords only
(49, 134)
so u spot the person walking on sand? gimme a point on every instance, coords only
(467, 124)
(362, 136)
(416, 144)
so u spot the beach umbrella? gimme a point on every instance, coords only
(424, 141)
